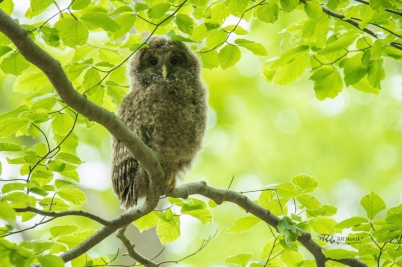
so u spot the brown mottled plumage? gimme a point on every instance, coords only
(167, 108)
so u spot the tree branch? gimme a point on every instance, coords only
(65, 213)
(357, 25)
(131, 250)
(220, 195)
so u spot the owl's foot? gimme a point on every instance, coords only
(170, 182)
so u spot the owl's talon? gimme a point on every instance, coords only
(171, 182)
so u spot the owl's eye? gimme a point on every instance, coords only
(174, 61)
(153, 61)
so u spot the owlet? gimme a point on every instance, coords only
(167, 108)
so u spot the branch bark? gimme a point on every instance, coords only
(65, 213)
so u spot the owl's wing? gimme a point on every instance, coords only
(130, 182)
(125, 169)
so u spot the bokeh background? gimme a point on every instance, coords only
(260, 134)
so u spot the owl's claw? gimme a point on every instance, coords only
(170, 183)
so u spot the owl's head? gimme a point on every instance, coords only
(163, 61)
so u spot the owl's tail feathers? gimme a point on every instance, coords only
(130, 182)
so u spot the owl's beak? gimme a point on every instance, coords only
(164, 71)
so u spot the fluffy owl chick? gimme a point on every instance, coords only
(167, 108)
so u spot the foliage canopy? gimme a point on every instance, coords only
(341, 43)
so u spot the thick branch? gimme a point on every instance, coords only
(56, 75)
(220, 195)
(65, 213)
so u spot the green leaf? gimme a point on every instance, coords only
(40, 5)
(377, 49)
(289, 5)
(8, 187)
(287, 227)
(26, 216)
(268, 13)
(141, 7)
(73, 195)
(60, 230)
(257, 48)
(72, 32)
(80, 4)
(228, 56)
(243, 224)
(219, 14)
(292, 258)
(126, 22)
(209, 59)
(8, 7)
(68, 157)
(236, 29)
(351, 222)
(158, 10)
(216, 38)
(364, 86)
(62, 124)
(11, 126)
(394, 219)
(147, 221)
(60, 183)
(199, 3)
(14, 64)
(313, 9)
(10, 147)
(75, 239)
(101, 20)
(305, 182)
(197, 209)
(14, 113)
(199, 33)
(6, 212)
(328, 83)
(30, 82)
(376, 73)
(44, 103)
(168, 229)
(121, 9)
(240, 259)
(343, 42)
(271, 248)
(373, 204)
(339, 254)
(91, 81)
(184, 23)
(5, 49)
(288, 190)
(291, 65)
(309, 202)
(333, 4)
(237, 7)
(116, 93)
(51, 261)
(323, 225)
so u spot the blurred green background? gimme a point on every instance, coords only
(260, 134)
